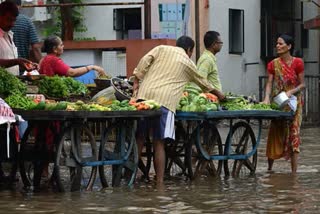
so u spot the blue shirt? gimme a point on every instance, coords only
(25, 34)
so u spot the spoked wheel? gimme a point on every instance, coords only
(242, 140)
(35, 160)
(119, 150)
(208, 143)
(76, 148)
(176, 162)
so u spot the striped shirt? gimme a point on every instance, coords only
(207, 67)
(164, 72)
(25, 34)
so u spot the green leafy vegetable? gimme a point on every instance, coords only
(10, 84)
(61, 87)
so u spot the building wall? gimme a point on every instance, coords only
(99, 19)
(311, 54)
(99, 22)
(235, 76)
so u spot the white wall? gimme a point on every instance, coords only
(233, 76)
(99, 19)
(99, 22)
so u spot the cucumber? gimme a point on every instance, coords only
(40, 106)
(61, 106)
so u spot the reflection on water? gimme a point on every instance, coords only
(265, 192)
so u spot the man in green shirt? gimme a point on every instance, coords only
(207, 63)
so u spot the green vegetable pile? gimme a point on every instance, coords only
(61, 87)
(238, 102)
(124, 105)
(196, 103)
(10, 84)
(20, 101)
(74, 86)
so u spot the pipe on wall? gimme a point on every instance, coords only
(197, 29)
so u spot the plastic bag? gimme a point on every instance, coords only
(105, 96)
(293, 102)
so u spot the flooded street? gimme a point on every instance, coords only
(265, 192)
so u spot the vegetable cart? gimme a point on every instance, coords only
(77, 155)
(236, 155)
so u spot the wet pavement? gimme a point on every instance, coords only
(265, 192)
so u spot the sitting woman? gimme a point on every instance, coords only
(52, 64)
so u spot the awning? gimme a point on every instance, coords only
(313, 23)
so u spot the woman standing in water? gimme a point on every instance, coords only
(285, 73)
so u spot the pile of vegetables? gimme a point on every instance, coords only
(192, 101)
(237, 102)
(123, 87)
(61, 87)
(124, 105)
(10, 84)
(20, 101)
(145, 105)
(81, 106)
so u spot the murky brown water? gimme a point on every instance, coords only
(266, 192)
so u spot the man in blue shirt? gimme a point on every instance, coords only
(25, 36)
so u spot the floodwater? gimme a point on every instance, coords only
(265, 192)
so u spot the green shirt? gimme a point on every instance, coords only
(207, 67)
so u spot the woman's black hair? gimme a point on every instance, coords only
(185, 42)
(50, 43)
(288, 40)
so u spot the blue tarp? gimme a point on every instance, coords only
(87, 78)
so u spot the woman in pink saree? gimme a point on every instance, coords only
(285, 73)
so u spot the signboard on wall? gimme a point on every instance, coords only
(171, 19)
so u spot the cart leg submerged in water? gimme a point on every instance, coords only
(238, 153)
(118, 154)
(76, 147)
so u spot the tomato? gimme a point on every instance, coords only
(28, 66)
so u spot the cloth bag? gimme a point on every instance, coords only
(6, 117)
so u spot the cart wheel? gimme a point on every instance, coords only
(34, 158)
(176, 162)
(242, 142)
(69, 173)
(118, 144)
(209, 144)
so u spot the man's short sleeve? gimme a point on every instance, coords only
(33, 33)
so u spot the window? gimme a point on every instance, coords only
(236, 31)
(278, 17)
(127, 23)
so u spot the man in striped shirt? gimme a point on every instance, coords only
(25, 36)
(163, 72)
